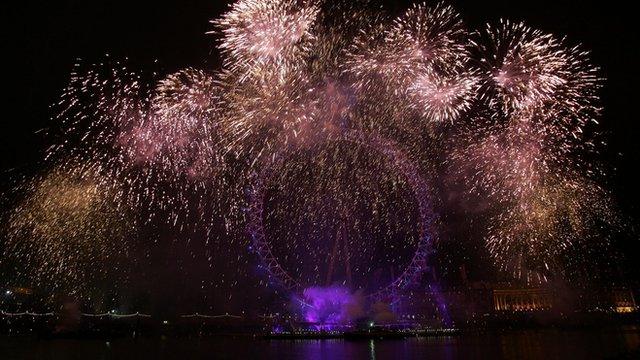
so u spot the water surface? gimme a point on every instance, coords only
(526, 344)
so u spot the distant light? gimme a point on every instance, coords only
(9, 292)
(371, 324)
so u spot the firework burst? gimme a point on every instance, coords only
(266, 35)
(68, 229)
(420, 61)
(526, 70)
(297, 76)
(440, 98)
(528, 149)
(160, 140)
(531, 239)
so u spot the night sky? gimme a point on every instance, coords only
(43, 39)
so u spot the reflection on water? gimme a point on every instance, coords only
(529, 344)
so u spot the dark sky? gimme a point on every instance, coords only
(43, 39)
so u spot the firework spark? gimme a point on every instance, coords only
(266, 35)
(527, 148)
(68, 229)
(297, 76)
(160, 140)
(531, 239)
(527, 70)
(442, 99)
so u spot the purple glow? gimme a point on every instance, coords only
(332, 305)
(441, 305)
(277, 330)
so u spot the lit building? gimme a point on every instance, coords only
(623, 301)
(522, 300)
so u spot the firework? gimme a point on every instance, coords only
(175, 135)
(531, 239)
(528, 71)
(67, 229)
(440, 98)
(160, 140)
(266, 35)
(431, 35)
(297, 77)
(266, 112)
(540, 185)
